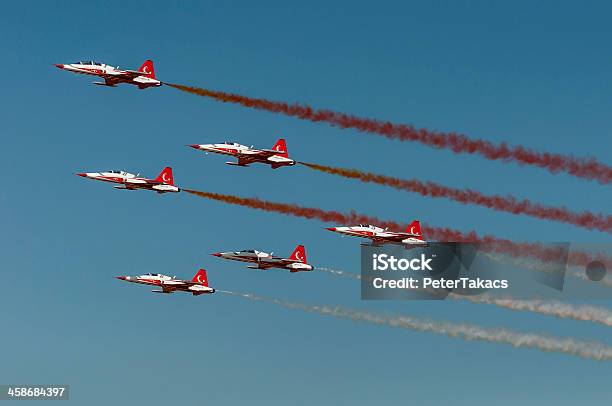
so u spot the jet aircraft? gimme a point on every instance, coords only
(198, 285)
(144, 77)
(275, 157)
(163, 183)
(412, 237)
(262, 260)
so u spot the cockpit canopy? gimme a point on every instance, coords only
(123, 173)
(251, 252)
(231, 143)
(89, 63)
(159, 275)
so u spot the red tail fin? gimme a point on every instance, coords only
(415, 228)
(299, 253)
(147, 68)
(166, 176)
(200, 277)
(281, 147)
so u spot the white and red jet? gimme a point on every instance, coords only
(198, 285)
(164, 182)
(295, 263)
(275, 157)
(412, 236)
(143, 77)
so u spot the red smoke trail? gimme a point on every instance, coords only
(587, 168)
(468, 196)
(488, 243)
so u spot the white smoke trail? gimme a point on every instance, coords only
(535, 265)
(589, 350)
(337, 272)
(553, 308)
(582, 275)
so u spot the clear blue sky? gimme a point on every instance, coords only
(532, 74)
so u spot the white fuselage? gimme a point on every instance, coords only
(246, 256)
(113, 74)
(245, 154)
(168, 284)
(130, 181)
(379, 235)
(265, 260)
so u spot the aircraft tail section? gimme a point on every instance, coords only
(414, 228)
(166, 176)
(281, 147)
(299, 254)
(148, 69)
(201, 278)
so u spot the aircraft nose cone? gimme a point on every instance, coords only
(216, 254)
(195, 146)
(59, 65)
(331, 228)
(82, 174)
(123, 278)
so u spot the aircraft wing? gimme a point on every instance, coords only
(259, 265)
(170, 286)
(109, 81)
(123, 75)
(392, 238)
(132, 73)
(388, 238)
(259, 154)
(190, 283)
(167, 289)
(141, 183)
(181, 284)
(405, 235)
(136, 72)
(264, 263)
(244, 160)
(270, 262)
(270, 152)
(286, 260)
